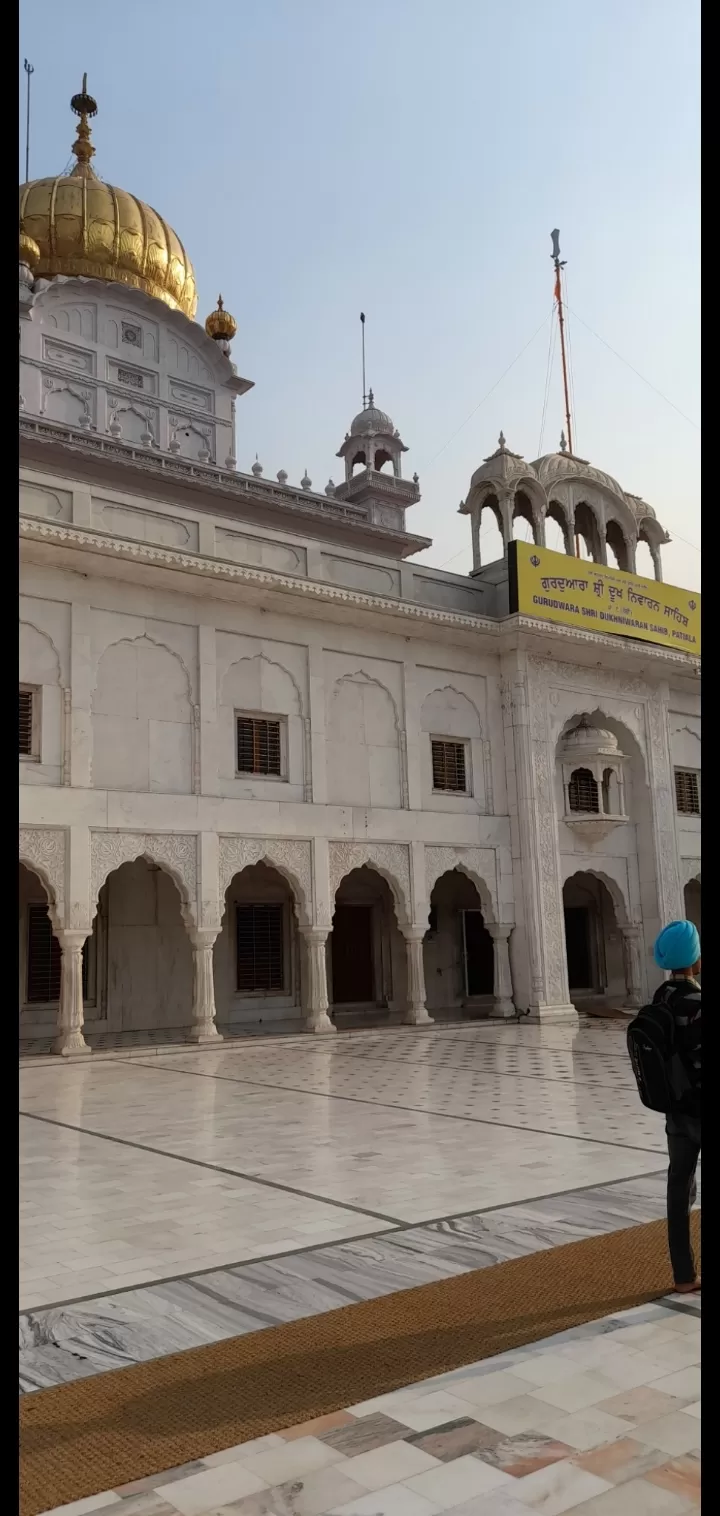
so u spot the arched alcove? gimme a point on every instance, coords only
(367, 976)
(146, 984)
(458, 950)
(257, 955)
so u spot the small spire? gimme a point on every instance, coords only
(85, 107)
(305, 482)
(563, 443)
(371, 398)
(257, 467)
(501, 442)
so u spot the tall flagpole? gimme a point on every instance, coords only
(558, 297)
(561, 320)
(362, 320)
(28, 70)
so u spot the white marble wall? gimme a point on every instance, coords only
(139, 685)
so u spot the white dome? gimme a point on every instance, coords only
(372, 421)
(501, 467)
(554, 468)
(589, 741)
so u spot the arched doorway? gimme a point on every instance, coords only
(458, 951)
(367, 969)
(693, 902)
(143, 953)
(257, 960)
(594, 944)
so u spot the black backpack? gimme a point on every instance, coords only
(660, 1073)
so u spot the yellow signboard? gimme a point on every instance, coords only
(573, 592)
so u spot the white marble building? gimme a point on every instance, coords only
(271, 771)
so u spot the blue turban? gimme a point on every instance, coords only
(678, 946)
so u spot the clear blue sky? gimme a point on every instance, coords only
(409, 159)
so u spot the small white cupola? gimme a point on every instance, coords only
(593, 780)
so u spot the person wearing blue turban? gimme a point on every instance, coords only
(677, 953)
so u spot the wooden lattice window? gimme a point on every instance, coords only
(583, 791)
(26, 723)
(260, 948)
(687, 792)
(448, 766)
(259, 746)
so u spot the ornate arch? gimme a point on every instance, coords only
(452, 689)
(175, 852)
(154, 642)
(359, 676)
(271, 663)
(601, 715)
(562, 516)
(477, 863)
(689, 871)
(389, 859)
(570, 870)
(42, 850)
(290, 858)
(46, 638)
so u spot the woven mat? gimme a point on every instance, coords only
(95, 1434)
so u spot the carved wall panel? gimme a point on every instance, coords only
(291, 858)
(391, 859)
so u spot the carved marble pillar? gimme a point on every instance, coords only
(70, 1041)
(657, 565)
(631, 940)
(316, 996)
(537, 869)
(475, 530)
(506, 509)
(503, 1007)
(416, 1013)
(203, 1028)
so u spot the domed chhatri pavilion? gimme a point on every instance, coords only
(273, 772)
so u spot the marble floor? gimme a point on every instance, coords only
(178, 1198)
(141, 1169)
(603, 1420)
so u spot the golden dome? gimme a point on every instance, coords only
(84, 227)
(220, 324)
(29, 250)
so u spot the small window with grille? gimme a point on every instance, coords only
(449, 770)
(687, 792)
(28, 710)
(259, 746)
(583, 791)
(44, 958)
(260, 949)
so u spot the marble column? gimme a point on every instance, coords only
(503, 1007)
(416, 1013)
(316, 995)
(70, 1041)
(631, 938)
(202, 1027)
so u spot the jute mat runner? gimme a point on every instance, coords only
(92, 1435)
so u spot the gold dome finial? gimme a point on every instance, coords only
(85, 107)
(220, 325)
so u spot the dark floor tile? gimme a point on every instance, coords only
(525, 1454)
(366, 1433)
(455, 1439)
